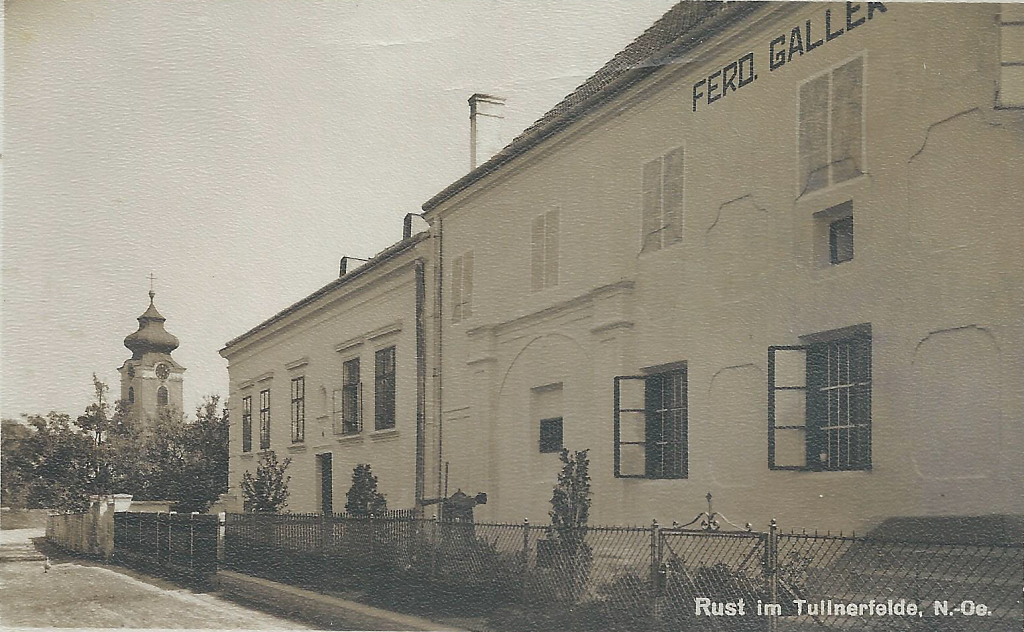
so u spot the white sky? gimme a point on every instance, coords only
(237, 149)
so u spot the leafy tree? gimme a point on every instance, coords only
(97, 414)
(570, 510)
(267, 492)
(15, 461)
(60, 464)
(363, 497)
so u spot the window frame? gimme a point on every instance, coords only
(670, 228)
(163, 397)
(384, 389)
(833, 239)
(265, 419)
(298, 408)
(813, 395)
(351, 425)
(247, 423)
(682, 440)
(803, 189)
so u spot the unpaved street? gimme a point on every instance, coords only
(82, 594)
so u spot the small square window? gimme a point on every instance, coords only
(840, 240)
(551, 435)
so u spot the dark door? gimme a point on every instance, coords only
(326, 484)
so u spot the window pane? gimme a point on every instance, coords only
(551, 435)
(846, 121)
(840, 237)
(790, 450)
(790, 407)
(1011, 86)
(814, 134)
(673, 196)
(1012, 43)
(632, 427)
(790, 367)
(632, 461)
(651, 201)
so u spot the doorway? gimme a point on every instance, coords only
(326, 483)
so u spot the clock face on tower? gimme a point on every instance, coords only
(131, 371)
(162, 371)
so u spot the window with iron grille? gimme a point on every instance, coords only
(264, 419)
(351, 399)
(831, 122)
(819, 403)
(298, 409)
(462, 287)
(247, 423)
(544, 251)
(384, 389)
(662, 201)
(651, 425)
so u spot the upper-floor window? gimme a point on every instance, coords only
(831, 127)
(819, 403)
(544, 251)
(1011, 58)
(384, 389)
(131, 395)
(161, 396)
(247, 423)
(298, 409)
(651, 425)
(462, 287)
(662, 201)
(350, 409)
(265, 419)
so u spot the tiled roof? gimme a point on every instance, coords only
(682, 27)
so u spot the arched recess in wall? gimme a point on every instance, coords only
(524, 476)
(957, 413)
(737, 403)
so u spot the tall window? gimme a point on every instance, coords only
(351, 421)
(131, 395)
(462, 287)
(544, 251)
(384, 389)
(161, 396)
(651, 425)
(1011, 66)
(247, 423)
(298, 409)
(265, 419)
(831, 120)
(819, 403)
(662, 201)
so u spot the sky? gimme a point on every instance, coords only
(236, 150)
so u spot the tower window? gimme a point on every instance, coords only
(131, 395)
(161, 396)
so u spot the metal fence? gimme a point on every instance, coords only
(638, 577)
(180, 544)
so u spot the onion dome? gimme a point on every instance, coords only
(151, 336)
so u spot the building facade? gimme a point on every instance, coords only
(770, 251)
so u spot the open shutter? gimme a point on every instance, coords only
(650, 233)
(630, 426)
(457, 289)
(787, 407)
(672, 201)
(551, 249)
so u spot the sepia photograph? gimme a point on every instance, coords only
(532, 316)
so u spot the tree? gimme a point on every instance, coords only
(570, 510)
(267, 492)
(97, 414)
(363, 497)
(60, 463)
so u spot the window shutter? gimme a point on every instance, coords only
(847, 91)
(457, 289)
(787, 407)
(650, 237)
(537, 254)
(551, 249)
(814, 134)
(630, 419)
(467, 285)
(672, 201)
(817, 404)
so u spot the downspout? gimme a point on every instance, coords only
(439, 325)
(421, 384)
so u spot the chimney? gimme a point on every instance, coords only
(486, 120)
(343, 266)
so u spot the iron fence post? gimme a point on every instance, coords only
(191, 541)
(222, 521)
(655, 565)
(526, 558)
(772, 554)
(434, 547)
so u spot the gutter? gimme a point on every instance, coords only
(694, 37)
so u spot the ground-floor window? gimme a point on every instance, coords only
(651, 425)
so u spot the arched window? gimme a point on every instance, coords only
(161, 396)
(131, 395)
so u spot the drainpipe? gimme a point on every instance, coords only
(421, 384)
(439, 326)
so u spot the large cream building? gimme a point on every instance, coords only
(770, 251)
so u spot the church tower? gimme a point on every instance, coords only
(151, 380)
